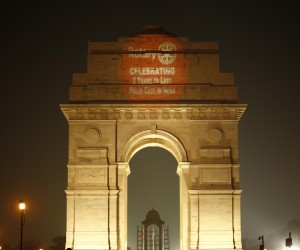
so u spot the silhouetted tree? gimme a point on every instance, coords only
(58, 243)
(276, 241)
(31, 244)
(6, 247)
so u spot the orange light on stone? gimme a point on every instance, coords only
(151, 67)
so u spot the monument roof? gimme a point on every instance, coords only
(153, 30)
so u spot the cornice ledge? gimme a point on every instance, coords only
(191, 112)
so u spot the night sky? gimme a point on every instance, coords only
(43, 43)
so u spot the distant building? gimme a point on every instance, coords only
(153, 235)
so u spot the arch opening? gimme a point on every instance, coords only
(153, 183)
(156, 138)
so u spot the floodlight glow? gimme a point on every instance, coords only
(294, 248)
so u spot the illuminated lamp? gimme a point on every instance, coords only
(22, 207)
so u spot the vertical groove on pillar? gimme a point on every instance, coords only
(74, 204)
(232, 212)
(198, 236)
(74, 210)
(108, 209)
(117, 184)
(118, 219)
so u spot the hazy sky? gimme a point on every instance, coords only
(43, 43)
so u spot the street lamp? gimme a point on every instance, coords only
(22, 207)
(262, 246)
(289, 241)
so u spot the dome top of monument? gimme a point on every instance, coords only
(153, 30)
(153, 217)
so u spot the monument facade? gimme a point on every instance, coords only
(153, 89)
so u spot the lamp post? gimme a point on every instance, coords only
(262, 246)
(22, 207)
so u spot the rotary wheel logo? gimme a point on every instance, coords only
(166, 58)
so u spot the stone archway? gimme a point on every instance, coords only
(153, 88)
(154, 138)
(206, 149)
(165, 140)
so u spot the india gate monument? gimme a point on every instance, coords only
(153, 89)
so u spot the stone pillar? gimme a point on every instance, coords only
(216, 219)
(113, 218)
(237, 219)
(86, 212)
(194, 220)
(183, 172)
(123, 172)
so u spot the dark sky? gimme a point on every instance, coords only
(43, 43)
